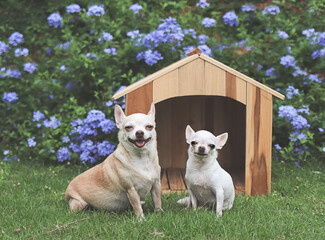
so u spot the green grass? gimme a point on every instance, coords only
(33, 207)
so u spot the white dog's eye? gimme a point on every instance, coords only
(193, 143)
(128, 128)
(149, 127)
(212, 146)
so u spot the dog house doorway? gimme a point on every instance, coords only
(213, 113)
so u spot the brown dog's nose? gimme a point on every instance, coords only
(139, 134)
(201, 149)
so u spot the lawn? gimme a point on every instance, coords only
(33, 207)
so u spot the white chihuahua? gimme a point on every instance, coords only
(207, 182)
(128, 174)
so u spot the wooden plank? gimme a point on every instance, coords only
(191, 78)
(258, 141)
(154, 76)
(165, 86)
(215, 80)
(175, 179)
(235, 88)
(139, 101)
(164, 180)
(242, 76)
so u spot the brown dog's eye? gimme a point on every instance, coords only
(128, 128)
(193, 143)
(212, 146)
(149, 127)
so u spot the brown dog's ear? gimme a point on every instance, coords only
(188, 134)
(221, 140)
(152, 111)
(119, 116)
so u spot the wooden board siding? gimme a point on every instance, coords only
(165, 86)
(191, 78)
(235, 88)
(258, 141)
(139, 100)
(215, 80)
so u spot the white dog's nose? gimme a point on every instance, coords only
(201, 149)
(139, 134)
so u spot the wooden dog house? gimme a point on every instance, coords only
(206, 94)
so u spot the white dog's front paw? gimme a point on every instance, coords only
(219, 213)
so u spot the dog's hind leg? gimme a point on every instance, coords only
(77, 204)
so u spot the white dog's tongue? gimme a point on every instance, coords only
(140, 143)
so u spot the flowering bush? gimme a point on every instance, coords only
(60, 66)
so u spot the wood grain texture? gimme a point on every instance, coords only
(164, 180)
(235, 88)
(175, 179)
(258, 141)
(215, 80)
(191, 78)
(165, 86)
(139, 100)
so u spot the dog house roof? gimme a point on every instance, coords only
(193, 55)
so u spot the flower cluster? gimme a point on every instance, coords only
(55, 20)
(230, 18)
(21, 52)
(203, 4)
(135, 8)
(16, 38)
(83, 138)
(271, 9)
(248, 7)
(96, 11)
(208, 22)
(73, 8)
(10, 97)
(3, 47)
(30, 67)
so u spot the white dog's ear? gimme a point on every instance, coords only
(152, 111)
(188, 134)
(119, 116)
(221, 140)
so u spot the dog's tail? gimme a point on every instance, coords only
(184, 201)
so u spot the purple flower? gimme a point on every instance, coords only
(205, 50)
(150, 57)
(202, 39)
(305, 109)
(31, 142)
(30, 67)
(53, 123)
(73, 8)
(88, 145)
(308, 32)
(320, 129)
(277, 147)
(107, 126)
(16, 38)
(86, 157)
(38, 116)
(55, 20)
(65, 139)
(62, 68)
(63, 154)
(271, 9)
(91, 56)
(283, 34)
(208, 22)
(10, 97)
(15, 73)
(288, 61)
(269, 72)
(95, 10)
(135, 8)
(299, 122)
(318, 53)
(297, 164)
(105, 148)
(299, 72)
(289, 112)
(3, 47)
(230, 18)
(107, 36)
(190, 31)
(248, 7)
(291, 91)
(315, 78)
(94, 116)
(110, 51)
(203, 4)
(133, 34)
(21, 52)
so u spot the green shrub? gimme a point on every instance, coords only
(56, 99)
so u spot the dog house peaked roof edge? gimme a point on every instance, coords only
(195, 61)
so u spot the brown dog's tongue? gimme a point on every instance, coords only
(140, 143)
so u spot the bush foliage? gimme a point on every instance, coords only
(60, 63)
